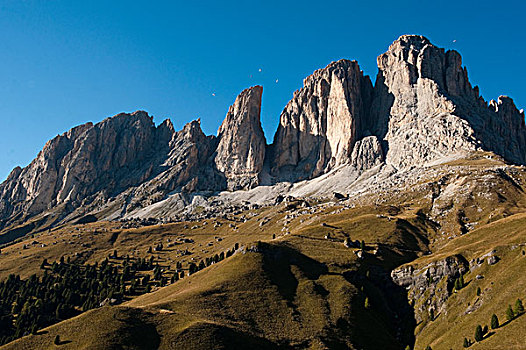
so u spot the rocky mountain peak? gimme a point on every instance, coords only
(421, 110)
(241, 149)
(320, 125)
(426, 108)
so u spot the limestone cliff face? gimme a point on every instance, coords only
(184, 167)
(422, 109)
(430, 286)
(426, 109)
(320, 125)
(102, 160)
(241, 149)
(106, 157)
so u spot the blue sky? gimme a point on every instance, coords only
(63, 63)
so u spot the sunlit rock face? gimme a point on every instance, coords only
(426, 109)
(241, 150)
(320, 125)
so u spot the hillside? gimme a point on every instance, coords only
(385, 216)
(302, 290)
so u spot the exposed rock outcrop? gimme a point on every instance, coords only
(421, 110)
(426, 108)
(367, 153)
(320, 125)
(430, 286)
(241, 149)
(92, 163)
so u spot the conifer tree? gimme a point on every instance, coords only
(494, 322)
(478, 333)
(519, 308)
(467, 343)
(509, 313)
(44, 264)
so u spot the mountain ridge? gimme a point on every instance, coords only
(421, 109)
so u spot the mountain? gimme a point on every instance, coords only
(426, 109)
(422, 109)
(320, 125)
(381, 216)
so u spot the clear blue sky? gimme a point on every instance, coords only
(63, 63)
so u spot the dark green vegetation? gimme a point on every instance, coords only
(64, 290)
(67, 289)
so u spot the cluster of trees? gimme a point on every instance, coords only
(480, 331)
(65, 290)
(517, 311)
(193, 268)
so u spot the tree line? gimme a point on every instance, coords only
(67, 289)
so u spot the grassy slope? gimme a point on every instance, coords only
(295, 292)
(502, 284)
(302, 290)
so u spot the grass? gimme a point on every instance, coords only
(301, 290)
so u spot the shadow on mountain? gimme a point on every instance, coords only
(205, 335)
(277, 264)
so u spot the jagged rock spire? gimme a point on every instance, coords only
(319, 126)
(241, 149)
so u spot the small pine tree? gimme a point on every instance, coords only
(57, 340)
(509, 313)
(494, 322)
(432, 315)
(478, 333)
(44, 264)
(478, 291)
(467, 343)
(519, 308)
(459, 283)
